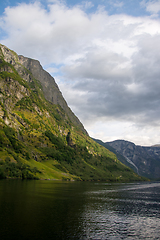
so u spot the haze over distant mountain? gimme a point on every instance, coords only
(143, 160)
(40, 137)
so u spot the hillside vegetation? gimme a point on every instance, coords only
(43, 139)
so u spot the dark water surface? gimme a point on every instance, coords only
(64, 210)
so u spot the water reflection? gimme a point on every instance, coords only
(61, 210)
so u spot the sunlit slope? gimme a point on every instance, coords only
(43, 139)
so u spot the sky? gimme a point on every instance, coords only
(104, 56)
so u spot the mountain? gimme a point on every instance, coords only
(143, 160)
(40, 137)
(120, 157)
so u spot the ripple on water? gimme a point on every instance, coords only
(130, 212)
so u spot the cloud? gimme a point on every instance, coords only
(118, 4)
(87, 4)
(151, 6)
(107, 66)
(127, 131)
(57, 31)
(125, 88)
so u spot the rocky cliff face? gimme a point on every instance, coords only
(28, 69)
(146, 160)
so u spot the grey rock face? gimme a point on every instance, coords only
(50, 88)
(146, 159)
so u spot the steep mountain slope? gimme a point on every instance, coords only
(50, 88)
(146, 160)
(40, 137)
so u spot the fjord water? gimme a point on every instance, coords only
(74, 210)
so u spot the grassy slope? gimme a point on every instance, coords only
(41, 142)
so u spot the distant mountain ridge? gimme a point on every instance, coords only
(143, 160)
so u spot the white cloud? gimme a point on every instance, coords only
(57, 33)
(118, 4)
(152, 6)
(128, 131)
(109, 64)
(88, 4)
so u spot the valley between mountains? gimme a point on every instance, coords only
(40, 136)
